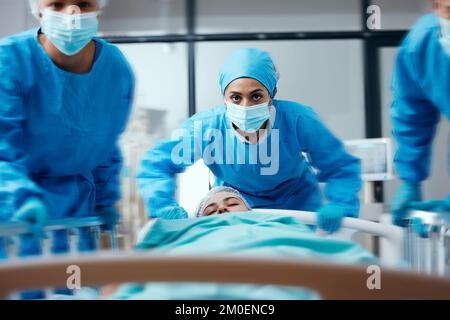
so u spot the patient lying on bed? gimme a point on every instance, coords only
(241, 234)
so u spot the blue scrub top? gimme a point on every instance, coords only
(59, 130)
(292, 186)
(421, 93)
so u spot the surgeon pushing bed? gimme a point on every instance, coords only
(65, 97)
(261, 146)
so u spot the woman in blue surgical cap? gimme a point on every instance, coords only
(255, 143)
(65, 97)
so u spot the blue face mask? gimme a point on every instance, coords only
(445, 35)
(70, 33)
(249, 119)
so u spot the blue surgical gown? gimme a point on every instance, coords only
(293, 186)
(421, 93)
(59, 130)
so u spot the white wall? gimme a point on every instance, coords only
(286, 15)
(144, 16)
(401, 14)
(13, 16)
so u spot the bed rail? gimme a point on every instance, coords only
(331, 281)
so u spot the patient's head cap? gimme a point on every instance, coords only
(216, 190)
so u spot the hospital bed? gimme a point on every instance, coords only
(399, 279)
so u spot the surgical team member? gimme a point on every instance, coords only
(251, 118)
(65, 97)
(421, 90)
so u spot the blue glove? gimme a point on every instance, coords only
(405, 195)
(172, 213)
(110, 215)
(35, 212)
(419, 227)
(329, 217)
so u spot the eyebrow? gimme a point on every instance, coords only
(230, 198)
(215, 203)
(254, 91)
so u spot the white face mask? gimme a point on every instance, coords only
(445, 35)
(248, 119)
(70, 33)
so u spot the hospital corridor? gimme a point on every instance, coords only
(211, 150)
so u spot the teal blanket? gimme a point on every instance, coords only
(247, 234)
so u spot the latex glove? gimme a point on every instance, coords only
(172, 213)
(329, 217)
(35, 212)
(405, 195)
(110, 215)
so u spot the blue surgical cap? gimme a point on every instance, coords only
(250, 63)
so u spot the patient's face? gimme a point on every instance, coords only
(224, 202)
